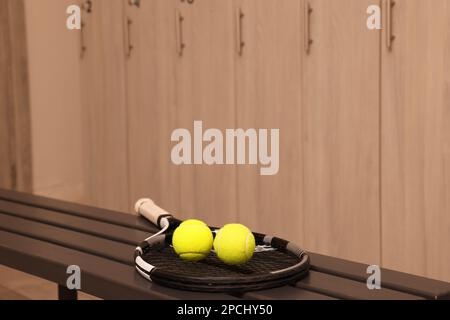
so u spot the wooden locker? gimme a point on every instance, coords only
(15, 122)
(55, 102)
(340, 113)
(268, 96)
(205, 92)
(6, 97)
(151, 102)
(104, 104)
(416, 138)
(6, 160)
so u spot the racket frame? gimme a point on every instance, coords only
(167, 223)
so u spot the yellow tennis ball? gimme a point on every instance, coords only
(234, 244)
(192, 240)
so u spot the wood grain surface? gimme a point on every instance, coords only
(205, 92)
(268, 96)
(15, 119)
(108, 269)
(151, 108)
(340, 114)
(105, 112)
(416, 140)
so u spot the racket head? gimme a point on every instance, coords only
(280, 263)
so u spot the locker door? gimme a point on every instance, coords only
(151, 102)
(416, 139)
(6, 97)
(104, 104)
(205, 92)
(268, 95)
(341, 131)
(15, 123)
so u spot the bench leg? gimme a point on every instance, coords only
(65, 294)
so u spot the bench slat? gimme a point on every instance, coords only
(427, 288)
(100, 277)
(108, 249)
(103, 215)
(125, 235)
(348, 289)
(286, 293)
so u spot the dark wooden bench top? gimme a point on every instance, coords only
(42, 236)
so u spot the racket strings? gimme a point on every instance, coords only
(264, 262)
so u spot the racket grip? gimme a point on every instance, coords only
(149, 210)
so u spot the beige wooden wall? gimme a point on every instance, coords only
(54, 76)
(6, 162)
(15, 151)
(364, 135)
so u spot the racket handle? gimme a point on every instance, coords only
(149, 210)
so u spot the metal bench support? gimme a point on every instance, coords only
(65, 294)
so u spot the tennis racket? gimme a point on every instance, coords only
(276, 262)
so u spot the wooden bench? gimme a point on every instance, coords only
(42, 237)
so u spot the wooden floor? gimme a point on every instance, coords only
(15, 285)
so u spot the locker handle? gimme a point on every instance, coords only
(389, 35)
(87, 6)
(83, 46)
(240, 37)
(128, 46)
(136, 3)
(307, 36)
(179, 37)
